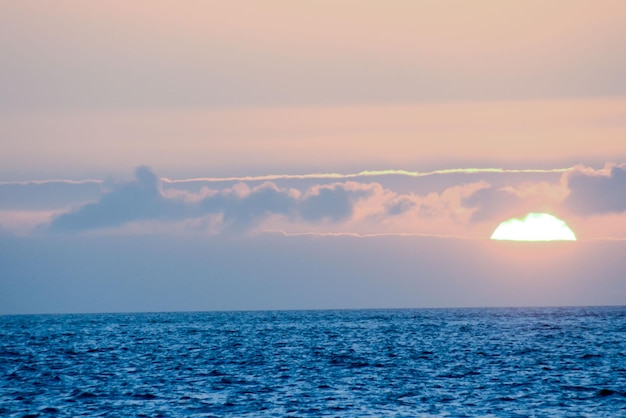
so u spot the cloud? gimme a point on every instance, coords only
(344, 207)
(58, 194)
(492, 203)
(334, 202)
(137, 200)
(243, 207)
(597, 191)
(400, 205)
(240, 206)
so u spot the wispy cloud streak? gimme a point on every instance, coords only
(410, 234)
(314, 176)
(368, 235)
(369, 173)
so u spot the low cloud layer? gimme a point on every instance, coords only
(443, 203)
(137, 200)
(496, 203)
(240, 206)
(597, 192)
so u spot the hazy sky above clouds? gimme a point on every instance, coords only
(164, 54)
(161, 155)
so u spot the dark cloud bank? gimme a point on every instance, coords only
(490, 202)
(597, 194)
(590, 193)
(142, 199)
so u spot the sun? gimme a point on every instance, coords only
(534, 227)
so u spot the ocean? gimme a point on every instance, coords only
(495, 362)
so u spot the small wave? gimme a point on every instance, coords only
(604, 392)
(459, 375)
(144, 396)
(506, 399)
(357, 365)
(49, 410)
(590, 356)
(79, 394)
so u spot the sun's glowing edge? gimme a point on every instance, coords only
(534, 227)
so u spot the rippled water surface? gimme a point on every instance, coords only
(442, 362)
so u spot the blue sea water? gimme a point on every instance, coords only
(440, 362)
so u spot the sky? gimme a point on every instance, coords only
(242, 155)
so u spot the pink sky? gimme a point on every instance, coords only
(251, 121)
(201, 142)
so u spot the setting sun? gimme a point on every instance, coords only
(534, 227)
